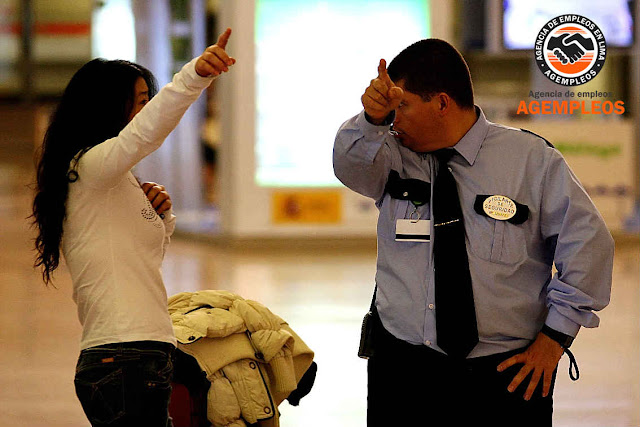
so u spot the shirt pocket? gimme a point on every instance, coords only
(392, 210)
(496, 241)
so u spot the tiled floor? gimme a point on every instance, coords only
(323, 293)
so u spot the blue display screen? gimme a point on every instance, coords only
(523, 19)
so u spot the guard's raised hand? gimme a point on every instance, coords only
(382, 96)
(215, 60)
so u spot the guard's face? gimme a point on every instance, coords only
(418, 122)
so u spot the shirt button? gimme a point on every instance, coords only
(380, 132)
(428, 342)
(405, 194)
(431, 306)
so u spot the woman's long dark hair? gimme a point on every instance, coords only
(95, 106)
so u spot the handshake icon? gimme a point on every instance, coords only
(569, 47)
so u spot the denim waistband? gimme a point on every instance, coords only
(137, 345)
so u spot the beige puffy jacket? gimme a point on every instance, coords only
(251, 356)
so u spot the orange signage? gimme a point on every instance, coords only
(307, 207)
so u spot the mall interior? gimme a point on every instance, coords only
(249, 170)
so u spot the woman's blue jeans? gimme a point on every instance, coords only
(126, 384)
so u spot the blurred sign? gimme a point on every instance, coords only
(307, 207)
(600, 153)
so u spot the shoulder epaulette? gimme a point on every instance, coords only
(541, 137)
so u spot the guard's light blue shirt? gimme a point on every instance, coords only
(514, 288)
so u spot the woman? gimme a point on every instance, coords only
(112, 231)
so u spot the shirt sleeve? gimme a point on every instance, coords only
(362, 156)
(583, 253)
(106, 163)
(169, 227)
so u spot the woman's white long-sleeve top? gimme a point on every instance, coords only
(114, 241)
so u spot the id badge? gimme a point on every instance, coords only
(412, 230)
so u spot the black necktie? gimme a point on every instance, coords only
(456, 325)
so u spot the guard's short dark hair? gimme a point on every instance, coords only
(431, 66)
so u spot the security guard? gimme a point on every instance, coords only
(470, 321)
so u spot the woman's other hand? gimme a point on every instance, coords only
(158, 196)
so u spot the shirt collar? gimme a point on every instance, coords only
(470, 144)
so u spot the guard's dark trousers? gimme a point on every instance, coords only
(412, 385)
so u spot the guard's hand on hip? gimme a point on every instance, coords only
(382, 96)
(158, 196)
(215, 60)
(541, 358)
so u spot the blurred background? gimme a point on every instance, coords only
(249, 171)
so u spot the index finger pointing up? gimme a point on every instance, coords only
(382, 68)
(382, 73)
(224, 38)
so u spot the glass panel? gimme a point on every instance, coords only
(314, 58)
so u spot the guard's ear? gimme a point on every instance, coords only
(443, 102)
